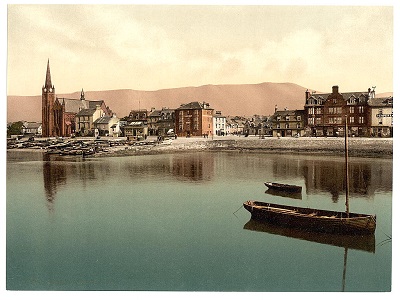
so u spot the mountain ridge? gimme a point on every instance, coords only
(230, 99)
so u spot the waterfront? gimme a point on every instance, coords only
(174, 222)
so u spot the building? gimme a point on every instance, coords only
(136, 130)
(381, 117)
(194, 119)
(160, 122)
(59, 114)
(219, 124)
(287, 123)
(107, 126)
(32, 128)
(325, 114)
(85, 120)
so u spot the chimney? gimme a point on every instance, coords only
(335, 89)
(307, 94)
(276, 108)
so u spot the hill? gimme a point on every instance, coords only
(237, 99)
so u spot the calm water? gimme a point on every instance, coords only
(175, 223)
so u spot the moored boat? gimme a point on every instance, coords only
(311, 218)
(283, 187)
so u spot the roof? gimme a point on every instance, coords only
(380, 102)
(346, 95)
(289, 112)
(32, 125)
(193, 105)
(103, 120)
(86, 112)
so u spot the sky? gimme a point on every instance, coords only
(152, 47)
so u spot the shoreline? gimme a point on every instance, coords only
(358, 147)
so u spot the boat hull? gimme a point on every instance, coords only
(311, 219)
(283, 187)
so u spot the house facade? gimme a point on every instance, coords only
(107, 126)
(325, 114)
(194, 119)
(160, 122)
(381, 117)
(219, 124)
(288, 123)
(85, 120)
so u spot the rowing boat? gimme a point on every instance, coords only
(311, 218)
(283, 187)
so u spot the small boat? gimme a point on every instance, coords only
(283, 187)
(312, 219)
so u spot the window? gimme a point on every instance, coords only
(298, 118)
(311, 110)
(318, 110)
(351, 119)
(278, 126)
(318, 120)
(351, 109)
(361, 120)
(311, 121)
(298, 125)
(287, 118)
(361, 109)
(330, 110)
(287, 125)
(278, 118)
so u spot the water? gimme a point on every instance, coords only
(173, 222)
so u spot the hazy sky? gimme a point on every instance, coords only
(151, 47)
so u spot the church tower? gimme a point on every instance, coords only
(48, 99)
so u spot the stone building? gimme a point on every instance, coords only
(194, 119)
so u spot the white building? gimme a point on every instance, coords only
(219, 124)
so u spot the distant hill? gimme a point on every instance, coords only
(236, 99)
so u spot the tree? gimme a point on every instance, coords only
(15, 128)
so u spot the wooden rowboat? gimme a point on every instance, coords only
(311, 218)
(283, 187)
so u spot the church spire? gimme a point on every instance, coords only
(48, 84)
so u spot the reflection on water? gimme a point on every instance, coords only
(293, 195)
(53, 175)
(357, 242)
(328, 175)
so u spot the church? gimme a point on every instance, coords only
(59, 114)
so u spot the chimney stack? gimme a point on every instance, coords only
(307, 94)
(335, 89)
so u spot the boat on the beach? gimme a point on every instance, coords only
(283, 187)
(311, 218)
(315, 219)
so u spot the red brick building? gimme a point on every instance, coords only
(194, 119)
(325, 114)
